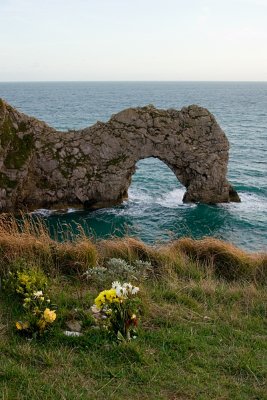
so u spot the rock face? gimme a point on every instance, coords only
(92, 167)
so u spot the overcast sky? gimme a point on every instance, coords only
(133, 40)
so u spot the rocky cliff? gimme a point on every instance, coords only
(92, 167)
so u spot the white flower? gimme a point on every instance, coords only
(116, 284)
(121, 291)
(128, 287)
(38, 294)
(135, 290)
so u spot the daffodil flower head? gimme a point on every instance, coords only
(49, 315)
(22, 325)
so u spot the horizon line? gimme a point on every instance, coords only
(136, 81)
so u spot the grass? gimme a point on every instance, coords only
(202, 333)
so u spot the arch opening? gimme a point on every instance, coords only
(153, 181)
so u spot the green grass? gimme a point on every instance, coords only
(202, 339)
(202, 335)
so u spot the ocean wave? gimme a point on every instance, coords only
(250, 202)
(139, 196)
(43, 212)
(172, 199)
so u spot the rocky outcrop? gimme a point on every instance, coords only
(92, 167)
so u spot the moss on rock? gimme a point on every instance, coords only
(23, 126)
(19, 151)
(7, 132)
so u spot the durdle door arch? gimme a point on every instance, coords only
(92, 167)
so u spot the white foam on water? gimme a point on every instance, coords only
(172, 199)
(138, 196)
(250, 202)
(43, 212)
(72, 210)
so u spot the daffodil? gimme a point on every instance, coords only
(22, 325)
(49, 315)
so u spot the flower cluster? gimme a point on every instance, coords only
(116, 309)
(25, 281)
(31, 285)
(124, 290)
(106, 297)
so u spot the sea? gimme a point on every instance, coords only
(154, 211)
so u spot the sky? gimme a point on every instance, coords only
(133, 40)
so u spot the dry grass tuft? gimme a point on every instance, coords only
(26, 239)
(75, 257)
(261, 271)
(226, 260)
(30, 240)
(127, 248)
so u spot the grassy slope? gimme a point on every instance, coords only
(201, 336)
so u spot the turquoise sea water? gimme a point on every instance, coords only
(154, 211)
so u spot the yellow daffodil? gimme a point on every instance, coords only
(19, 326)
(22, 325)
(49, 315)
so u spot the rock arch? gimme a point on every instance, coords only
(92, 167)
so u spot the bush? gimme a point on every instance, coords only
(117, 268)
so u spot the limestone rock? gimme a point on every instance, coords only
(41, 167)
(74, 326)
